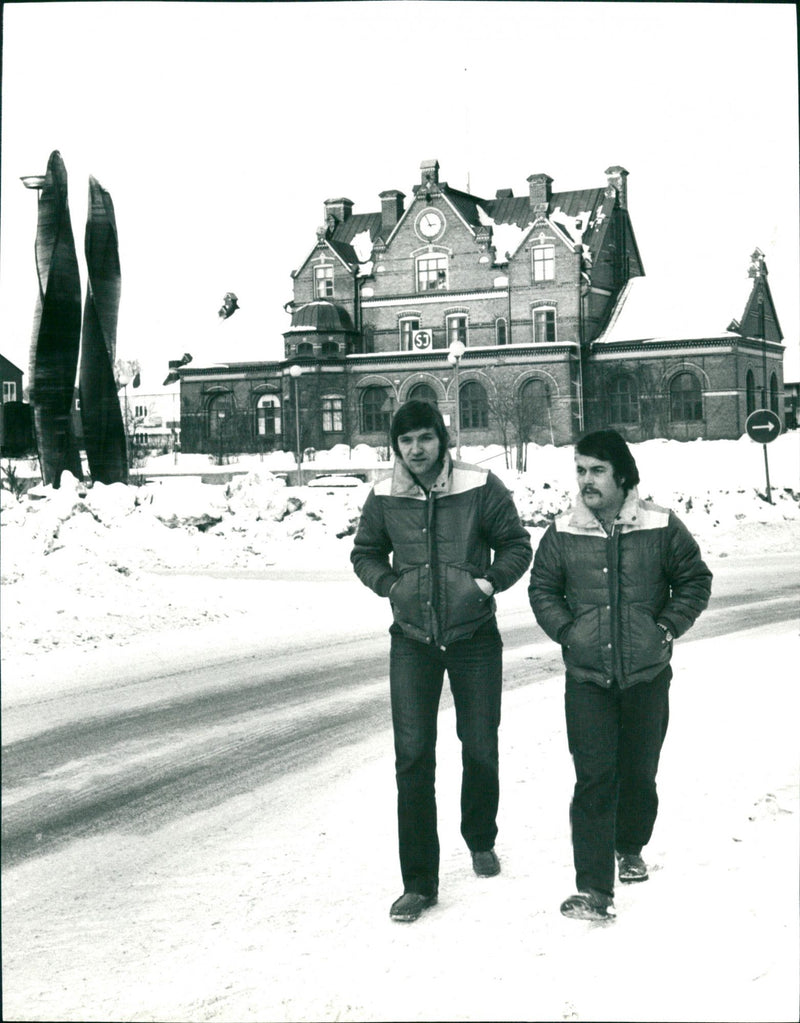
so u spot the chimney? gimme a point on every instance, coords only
(339, 209)
(617, 178)
(391, 209)
(540, 191)
(429, 172)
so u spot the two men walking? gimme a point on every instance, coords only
(614, 581)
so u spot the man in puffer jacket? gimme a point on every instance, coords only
(615, 580)
(440, 521)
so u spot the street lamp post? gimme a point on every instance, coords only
(457, 349)
(295, 373)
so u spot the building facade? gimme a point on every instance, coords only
(509, 313)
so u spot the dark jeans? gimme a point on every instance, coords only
(474, 668)
(615, 738)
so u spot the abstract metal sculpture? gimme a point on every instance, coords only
(103, 428)
(56, 328)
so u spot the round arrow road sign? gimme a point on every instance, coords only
(763, 425)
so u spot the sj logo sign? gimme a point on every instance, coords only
(423, 339)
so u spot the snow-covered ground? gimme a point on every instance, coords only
(77, 562)
(230, 921)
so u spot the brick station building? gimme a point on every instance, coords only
(536, 293)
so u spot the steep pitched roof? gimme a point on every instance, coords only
(581, 215)
(648, 309)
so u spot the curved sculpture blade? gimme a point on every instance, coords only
(103, 426)
(56, 329)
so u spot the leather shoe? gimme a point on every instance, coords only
(485, 863)
(632, 868)
(589, 905)
(410, 906)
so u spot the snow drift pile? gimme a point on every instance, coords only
(87, 564)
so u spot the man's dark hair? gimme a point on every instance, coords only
(419, 415)
(610, 446)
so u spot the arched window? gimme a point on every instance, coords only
(473, 407)
(332, 415)
(750, 387)
(329, 348)
(268, 417)
(376, 407)
(305, 348)
(422, 392)
(219, 417)
(457, 330)
(774, 394)
(500, 331)
(533, 416)
(685, 399)
(544, 325)
(623, 400)
(409, 325)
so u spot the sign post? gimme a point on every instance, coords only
(763, 426)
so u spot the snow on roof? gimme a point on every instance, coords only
(654, 309)
(506, 238)
(362, 243)
(574, 226)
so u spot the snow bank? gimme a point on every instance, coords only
(78, 563)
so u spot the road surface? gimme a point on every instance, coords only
(150, 747)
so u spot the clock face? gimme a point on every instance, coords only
(429, 224)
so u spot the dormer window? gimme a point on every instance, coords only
(323, 281)
(432, 273)
(544, 263)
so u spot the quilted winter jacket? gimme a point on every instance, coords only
(602, 597)
(439, 544)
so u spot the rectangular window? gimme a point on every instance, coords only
(9, 390)
(456, 329)
(544, 263)
(544, 325)
(332, 415)
(140, 411)
(407, 328)
(431, 273)
(323, 281)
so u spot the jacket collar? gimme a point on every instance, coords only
(404, 484)
(585, 518)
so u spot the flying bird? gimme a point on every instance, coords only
(229, 306)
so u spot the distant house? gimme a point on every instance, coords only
(515, 315)
(16, 422)
(11, 376)
(152, 418)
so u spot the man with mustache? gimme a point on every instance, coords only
(614, 581)
(439, 539)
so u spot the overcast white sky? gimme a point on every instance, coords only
(220, 129)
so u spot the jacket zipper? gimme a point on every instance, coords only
(432, 610)
(613, 597)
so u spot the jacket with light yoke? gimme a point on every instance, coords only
(603, 597)
(439, 544)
